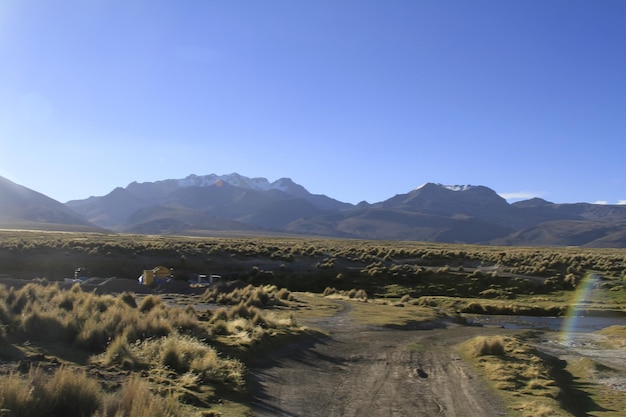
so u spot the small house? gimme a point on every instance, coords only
(156, 276)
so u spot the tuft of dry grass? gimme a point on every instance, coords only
(488, 345)
(183, 354)
(353, 294)
(250, 295)
(47, 325)
(540, 384)
(149, 302)
(616, 335)
(518, 372)
(119, 352)
(498, 371)
(538, 409)
(136, 399)
(72, 393)
(18, 396)
(173, 342)
(67, 392)
(129, 299)
(90, 321)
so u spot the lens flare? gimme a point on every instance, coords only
(576, 308)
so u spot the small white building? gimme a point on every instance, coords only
(204, 279)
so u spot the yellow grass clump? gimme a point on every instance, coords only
(183, 354)
(485, 345)
(616, 335)
(72, 393)
(518, 372)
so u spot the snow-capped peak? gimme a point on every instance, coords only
(236, 180)
(449, 187)
(458, 187)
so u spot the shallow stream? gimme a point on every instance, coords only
(578, 324)
(572, 339)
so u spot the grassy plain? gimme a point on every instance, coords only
(188, 360)
(381, 268)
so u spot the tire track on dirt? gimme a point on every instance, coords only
(375, 372)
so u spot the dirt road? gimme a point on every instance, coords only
(372, 371)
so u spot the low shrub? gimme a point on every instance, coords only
(141, 327)
(219, 327)
(48, 326)
(533, 409)
(171, 355)
(329, 291)
(129, 299)
(72, 393)
(242, 311)
(148, 303)
(485, 345)
(183, 354)
(169, 340)
(93, 335)
(67, 392)
(354, 294)
(18, 396)
(284, 294)
(119, 353)
(136, 399)
(258, 296)
(518, 369)
(405, 298)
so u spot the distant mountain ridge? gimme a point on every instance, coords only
(251, 203)
(21, 207)
(204, 205)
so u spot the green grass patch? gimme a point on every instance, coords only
(312, 306)
(602, 400)
(380, 313)
(616, 335)
(415, 347)
(528, 307)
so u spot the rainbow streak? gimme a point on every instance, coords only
(581, 295)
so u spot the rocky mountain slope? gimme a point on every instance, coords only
(21, 207)
(432, 212)
(248, 203)
(205, 205)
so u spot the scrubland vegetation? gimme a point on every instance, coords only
(125, 354)
(529, 380)
(534, 383)
(616, 336)
(144, 358)
(382, 269)
(70, 392)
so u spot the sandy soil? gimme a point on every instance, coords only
(372, 371)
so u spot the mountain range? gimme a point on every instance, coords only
(23, 208)
(205, 205)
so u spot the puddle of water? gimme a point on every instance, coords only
(582, 324)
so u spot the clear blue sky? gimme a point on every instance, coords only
(358, 100)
